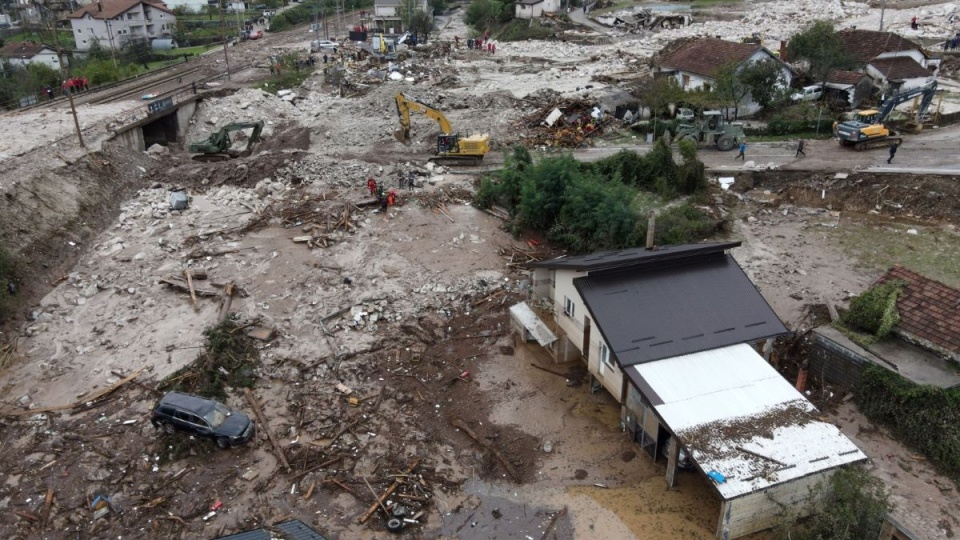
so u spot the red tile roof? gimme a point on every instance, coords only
(900, 68)
(845, 77)
(108, 9)
(865, 45)
(706, 55)
(929, 310)
(23, 50)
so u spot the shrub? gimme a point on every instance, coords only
(228, 359)
(875, 310)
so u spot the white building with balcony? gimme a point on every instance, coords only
(115, 23)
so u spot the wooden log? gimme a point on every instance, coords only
(393, 487)
(378, 499)
(94, 396)
(181, 285)
(558, 374)
(150, 389)
(266, 427)
(493, 449)
(309, 492)
(320, 466)
(344, 487)
(193, 292)
(343, 430)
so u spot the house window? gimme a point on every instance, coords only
(706, 87)
(568, 307)
(686, 81)
(605, 355)
(79, 31)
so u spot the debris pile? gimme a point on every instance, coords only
(566, 124)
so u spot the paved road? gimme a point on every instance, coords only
(578, 17)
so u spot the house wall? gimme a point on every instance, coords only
(881, 79)
(523, 11)
(917, 56)
(764, 509)
(45, 57)
(837, 363)
(138, 22)
(690, 81)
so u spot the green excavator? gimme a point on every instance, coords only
(217, 147)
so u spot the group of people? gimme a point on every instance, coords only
(952, 43)
(386, 199)
(73, 85)
(479, 44)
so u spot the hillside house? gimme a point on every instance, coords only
(114, 23)
(672, 333)
(534, 9)
(695, 65)
(849, 87)
(387, 18)
(24, 53)
(892, 61)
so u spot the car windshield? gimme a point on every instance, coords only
(217, 415)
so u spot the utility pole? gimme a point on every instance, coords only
(883, 8)
(223, 37)
(63, 75)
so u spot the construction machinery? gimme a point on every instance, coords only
(451, 147)
(711, 130)
(217, 147)
(867, 130)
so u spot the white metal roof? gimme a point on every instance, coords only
(529, 320)
(737, 416)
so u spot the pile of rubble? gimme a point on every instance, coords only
(565, 124)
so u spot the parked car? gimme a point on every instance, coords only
(809, 93)
(202, 417)
(685, 115)
(318, 45)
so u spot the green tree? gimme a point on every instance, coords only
(763, 79)
(691, 173)
(658, 94)
(483, 14)
(730, 88)
(421, 25)
(438, 6)
(542, 192)
(818, 47)
(853, 507)
(596, 215)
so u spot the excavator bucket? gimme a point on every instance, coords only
(402, 135)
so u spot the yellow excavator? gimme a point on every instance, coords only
(865, 129)
(452, 149)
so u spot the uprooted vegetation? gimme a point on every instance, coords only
(228, 359)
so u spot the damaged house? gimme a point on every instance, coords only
(696, 63)
(672, 334)
(893, 62)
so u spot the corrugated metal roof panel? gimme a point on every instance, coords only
(529, 320)
(737, 416)
(256, 534)
(677, 308)
(298, 530)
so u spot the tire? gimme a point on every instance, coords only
(169, 429)
(395, 525)
(222, 443)
(691, 138)
(726, 143)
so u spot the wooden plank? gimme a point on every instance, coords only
(266, 427)
(193, 292)
(386, 494)
(94, 396)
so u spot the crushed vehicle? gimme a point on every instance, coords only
(202, 417)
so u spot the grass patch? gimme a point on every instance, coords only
(289, 78)
(229, 358)
(523, 29)
(878, 246)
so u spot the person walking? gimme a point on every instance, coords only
(743, 150)
(800, 151)
(893, 151)
(372, 185)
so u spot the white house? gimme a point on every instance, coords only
(114, 23)
(534, 9)
(671, 333)
(892, 61)
(387, 18)
(695, 65)
(22, 54)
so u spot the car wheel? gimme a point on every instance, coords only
(222, 443)
(394, 524)
(169, 429)
(726, 143)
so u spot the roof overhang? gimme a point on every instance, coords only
(525, 317)
(736, 416)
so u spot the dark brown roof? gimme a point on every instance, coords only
(845, 77)
(706, 55)
(865, 45)
(929, 310)
(108, 9)
(900, 68)
(23, 50)
(676, 307)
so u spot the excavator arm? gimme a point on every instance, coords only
(220, 142)
(407, 105)
(889, 104)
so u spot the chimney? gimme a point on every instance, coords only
(651, 222)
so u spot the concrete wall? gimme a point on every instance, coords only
(837, 360)
(765, 509)
(132, 139)
(184, 114)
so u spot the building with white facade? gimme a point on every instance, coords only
(114, 23)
